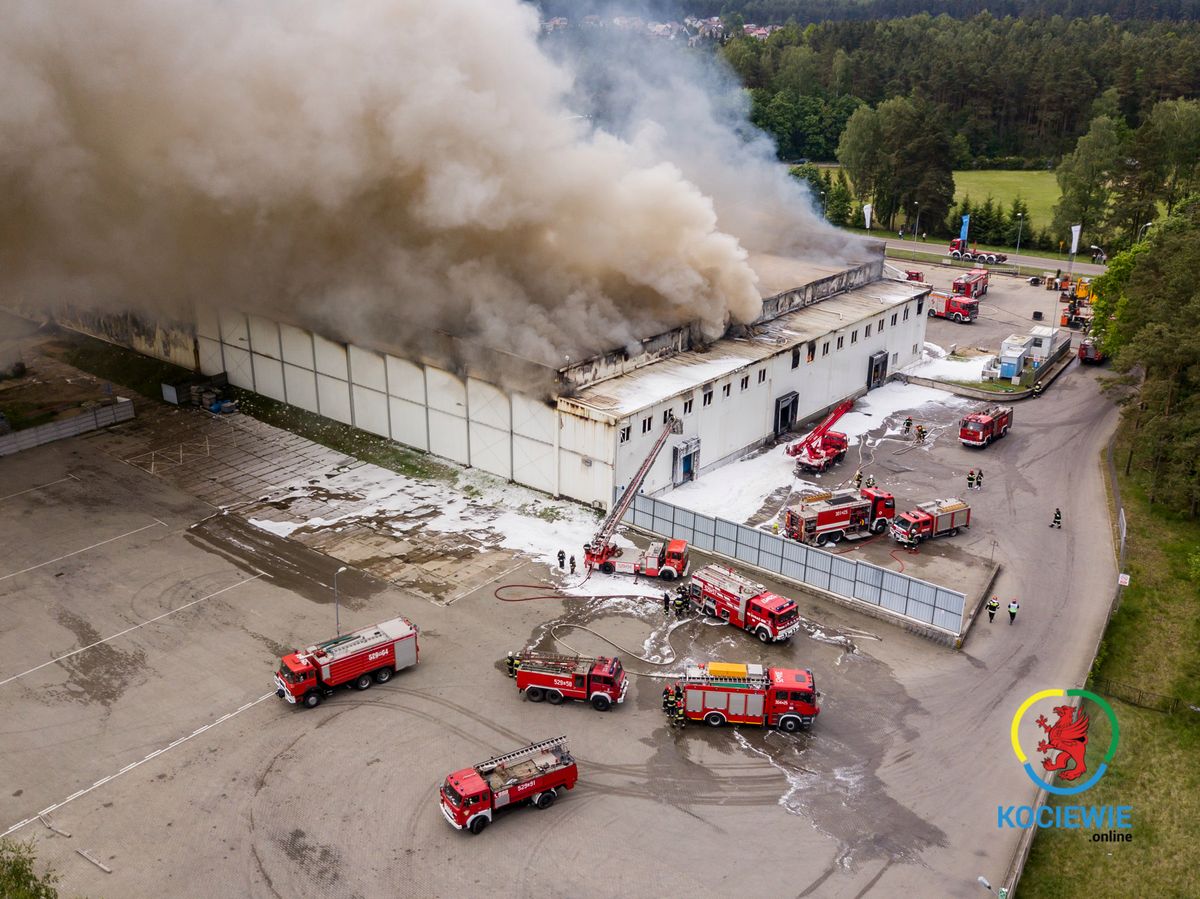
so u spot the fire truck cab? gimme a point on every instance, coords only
(724, 693)
(723, 593)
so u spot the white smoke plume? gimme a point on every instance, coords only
(380, 169)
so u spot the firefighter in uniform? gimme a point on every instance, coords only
(993, 606)
(870, 480)
(513, 664)
(1037, 389)
(1012, 611)
(979, 479)
(680, 715)
(572, 564)
(971, 479)
(680, 605)
(668, 698)
(1057, 522)
(562, 559)
(666, 603)
(920, 433)
(858, 479)
(908, 426)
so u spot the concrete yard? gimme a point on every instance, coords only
(139, 717)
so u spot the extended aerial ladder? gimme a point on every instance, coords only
(602, 549)
(822, 446)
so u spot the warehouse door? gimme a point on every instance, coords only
(877, 373)
(786, 408)
(686, 463)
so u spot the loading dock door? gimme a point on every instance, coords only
(686, 462)
(786, 409)
(877, 372)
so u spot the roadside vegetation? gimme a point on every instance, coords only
(19, 877)
(1150, 654)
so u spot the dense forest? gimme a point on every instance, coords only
(1147, 304)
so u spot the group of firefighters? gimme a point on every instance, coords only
(908, 429)
(679, 603)
(672, 704)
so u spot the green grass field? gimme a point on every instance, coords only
(1038, 189)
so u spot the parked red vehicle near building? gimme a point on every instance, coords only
(723, 593)
(668, 561)
(842, 514)
(822, 446)
(371, 654)
(982, 427)
(973, 284)
(932, 519)
(1090, 352)
(961, 249)
(725, 693)
(960, 309)
(533, 775)
(553, 678)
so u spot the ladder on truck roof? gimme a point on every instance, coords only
(730, 581)
(339, 646)
(532, 657)
(609, 526)
(520, 754)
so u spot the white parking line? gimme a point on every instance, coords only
(157, 523)
(127, 630)
(69, 477)
(129, 768)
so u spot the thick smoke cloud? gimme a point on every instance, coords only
(381, 169)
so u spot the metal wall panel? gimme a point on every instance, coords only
(370, 410)
(367, 368)
(491, 449)
(301, 386)
(334, 396)
(268, 377)
(408, 423)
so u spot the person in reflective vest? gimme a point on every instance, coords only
(993, 606)
(1012, 611)
(513, 664)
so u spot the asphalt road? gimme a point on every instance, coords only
(1082, 264)
(162, 751)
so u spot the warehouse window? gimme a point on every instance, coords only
(812, 350)
(920, 305)
(745, 381)
(881, 324)
(647, 423)
(825, 348)
(762, 375)
(867, 332)
(666, 416)
(725, 390)
(708, 397)
(914, 349)
(906, 313)
(687, 407)
(894, 315)
(795, 357)
(841, 341)
(854, 336)
(895, 358)
(625, 432)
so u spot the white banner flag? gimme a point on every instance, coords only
(1075, 229)
(867, 215)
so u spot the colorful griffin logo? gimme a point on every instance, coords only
(1069, 737)
(1065, 742)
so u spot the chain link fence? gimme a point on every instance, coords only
(917, 600)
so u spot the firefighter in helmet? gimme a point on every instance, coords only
(512, 664)
(668, 698)
(680, 715)
(680, 605)
(921, 433)
(908, 426)
(1037, 389)
(666, 603)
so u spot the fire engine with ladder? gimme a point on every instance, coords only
(667, 561)
(553, 678)
(723, 593)
(534, 774)
(830, 517)
(724, 693)
(823, 446)
(372, 654)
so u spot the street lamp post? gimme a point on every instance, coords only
(824, 206)
(1142, 230)
(337, 610)
(916, 228)
(1020, 225)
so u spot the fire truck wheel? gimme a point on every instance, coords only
(601, 703)
(1004, 431)
(667, 574)
(953, 532)
(383, 675)
(764, 635)
(958, 317)
(879, 526)
(478, 824)
(362, 682)
(535, 694)
(835, 536)
(554, 697)
(724, 614)
(789, 724)
(607, 567)
(822, 539)
(312, 699)
(714, 719)
(545, 800)
(932, 311)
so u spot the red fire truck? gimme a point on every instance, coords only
(357, 659)
(982, 427)
(667, 561)
(933, 519)
(547, 676)
(957, 308)
(1089, 351)
(973, 284)
(720, 693)
(723, 593)
(842, 513)
(961, 249)
(534, 775)
(822, 446)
